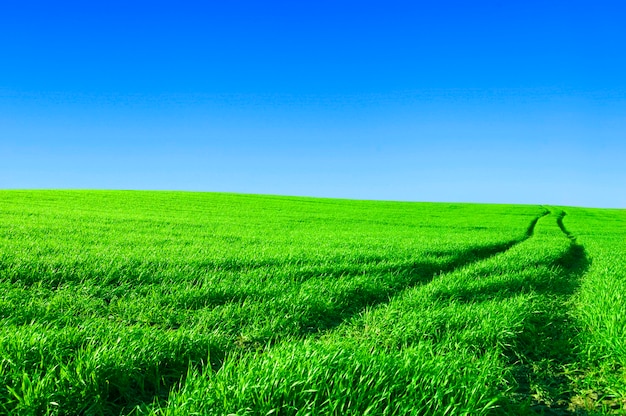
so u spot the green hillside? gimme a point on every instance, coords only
(173, 303)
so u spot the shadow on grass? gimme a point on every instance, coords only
(545, 348)
(351, 302)
(316, 318)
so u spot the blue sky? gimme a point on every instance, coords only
(511, 102)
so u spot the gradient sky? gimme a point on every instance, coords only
(511, 102)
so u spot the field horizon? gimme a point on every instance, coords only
(303, 196)
(151, 302)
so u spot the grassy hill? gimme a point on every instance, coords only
(173, 303)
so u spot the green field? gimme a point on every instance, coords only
(173, 303)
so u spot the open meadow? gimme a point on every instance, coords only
(174, 303)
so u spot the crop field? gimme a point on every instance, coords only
(174, 303)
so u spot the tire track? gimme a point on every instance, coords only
(533, 224)
(354, 302)
(541, 371)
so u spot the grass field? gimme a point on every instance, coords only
(171, 303)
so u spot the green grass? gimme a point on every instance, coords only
(171, 303)
(600, 307)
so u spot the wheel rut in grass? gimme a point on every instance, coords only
(324, 320)
(353, 302)
(546, 346)
(530, 231)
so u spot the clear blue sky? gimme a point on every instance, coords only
(512, 102)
